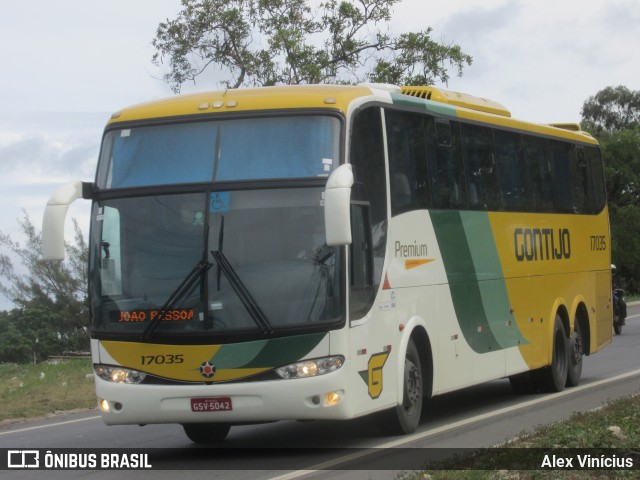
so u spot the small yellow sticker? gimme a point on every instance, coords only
(376, 362)
(416, 262)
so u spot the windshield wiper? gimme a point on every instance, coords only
(238, 285)
(183, 291)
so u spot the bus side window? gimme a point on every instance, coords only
(538, 168)
(581, 189)
(443, 133)
(561, 153)
(480, 167)
(596, 172)
(406, 139)
(361, 261)
(110, 261)
(446, 171)
(369, 210)
(511, 170)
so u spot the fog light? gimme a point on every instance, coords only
(332, 398)
(104, 405)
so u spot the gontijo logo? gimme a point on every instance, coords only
(533, 244)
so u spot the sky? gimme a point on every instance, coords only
(68, 64)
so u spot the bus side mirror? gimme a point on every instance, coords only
(54, 217)
(337, 206)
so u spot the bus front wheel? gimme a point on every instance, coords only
(405, 417)
(206, 432)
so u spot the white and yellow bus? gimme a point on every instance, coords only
(330, 252)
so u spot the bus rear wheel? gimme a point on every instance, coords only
(576, 350)
(206, 432)
(554, 377)
(405, 417)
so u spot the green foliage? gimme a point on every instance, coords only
(621, 153)
(52, 312)
(28, 391)
(272, 42)
(613, 109)
(613, 116)
(625, 254)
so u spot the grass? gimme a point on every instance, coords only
(593, 431)
(28, 391)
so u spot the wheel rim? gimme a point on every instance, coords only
(576, 351)
(560, 351)
(412, 386)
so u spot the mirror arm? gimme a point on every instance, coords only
(54, 216)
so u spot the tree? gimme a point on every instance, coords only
(271, 42)
(621, 154)
(613, 109)
(30, 334)
(613, 116)
(53, 294)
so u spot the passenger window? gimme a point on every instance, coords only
(511, 170)
(446, 171)
(406, 142)
(594, 160)
(561, 154)
(480, 167)
(581, 190)
(538, 173)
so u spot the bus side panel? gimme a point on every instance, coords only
(446, 270)
(551, 262)
(604, 312)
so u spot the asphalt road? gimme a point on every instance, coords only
(480, 416)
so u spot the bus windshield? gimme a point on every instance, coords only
(225, 150)
(242, 252)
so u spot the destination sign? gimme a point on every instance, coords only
(140, 316)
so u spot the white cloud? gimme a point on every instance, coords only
(540, 58)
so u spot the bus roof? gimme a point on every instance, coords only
(339, 97)
(244, 99)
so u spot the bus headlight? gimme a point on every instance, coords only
(311, 368)
(119, 374)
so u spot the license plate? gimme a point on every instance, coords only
(213, 404)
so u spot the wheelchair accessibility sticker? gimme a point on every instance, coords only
(220, 202)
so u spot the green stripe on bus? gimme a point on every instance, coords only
(276, 352)
(237, 355)
(490, 277)
(475, 277)
(428, 105)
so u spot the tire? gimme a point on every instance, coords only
(576, 350)
(404, 418)
(554, 377)
(617, 327)
(206, 432)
